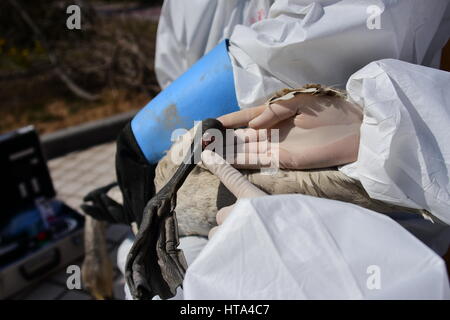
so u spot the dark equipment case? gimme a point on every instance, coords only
(39, 234)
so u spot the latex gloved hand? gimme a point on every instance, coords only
(315, 131)
(233, 181)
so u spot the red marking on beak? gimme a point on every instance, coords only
(205, 143)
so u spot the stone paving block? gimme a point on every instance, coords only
(105, 177)
(86, 155)
(56, 170)
(70, 176)
(86, 177)
(104, 155)
(73, 202)
(101, 147)
(70, 161)
(83, 191)
(57, 174)
(70, 188)
(45, 291)
(116, 195)
(58, 183)
(109, 147)
(105, 169)
(85, 166)
(55, 163)
(104, 180)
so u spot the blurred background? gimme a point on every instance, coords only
(54, 78)
(77, 88)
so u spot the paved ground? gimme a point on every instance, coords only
(73, 176)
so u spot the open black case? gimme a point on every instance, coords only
(38, 233)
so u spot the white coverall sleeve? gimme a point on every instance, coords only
(305, 41)
(404, 151)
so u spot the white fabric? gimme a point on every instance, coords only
(287, 43)
(404, 152)
(301, 247)
(122, 252)
(435, 236)
(189, 29)
(324, 42)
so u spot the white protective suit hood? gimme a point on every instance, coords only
(324, 42)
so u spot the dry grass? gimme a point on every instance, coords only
(42, 99)
(33, 102)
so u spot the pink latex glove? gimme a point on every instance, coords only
(314, 132)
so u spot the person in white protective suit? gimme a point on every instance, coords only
(302, 247)
(189, 29)
(295, 42)
(287, 43)
(403, 158)
(299, 247)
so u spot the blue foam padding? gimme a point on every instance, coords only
(206, 90)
